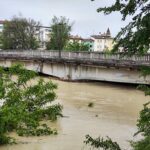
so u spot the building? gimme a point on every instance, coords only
(1, 29)
(89, 42)
(75, 38)
(1, 25)
(103, 42)
(79, 39)
(43, 36)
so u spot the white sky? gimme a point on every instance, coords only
(82, 12)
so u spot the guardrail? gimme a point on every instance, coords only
(92, 56)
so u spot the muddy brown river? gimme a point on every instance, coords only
(114, 114)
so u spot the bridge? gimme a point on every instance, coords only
(81, 65)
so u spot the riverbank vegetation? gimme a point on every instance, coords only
(25, 105)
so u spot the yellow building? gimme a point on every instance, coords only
(103, 42)
(75, 38)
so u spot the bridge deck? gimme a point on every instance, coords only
(87, 58)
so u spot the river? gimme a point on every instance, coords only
(114, 114)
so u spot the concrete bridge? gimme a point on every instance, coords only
(81, 65)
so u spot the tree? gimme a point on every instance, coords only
(25, 105)
(135, 37)
(76, 46)
(60, 33)
(20, 33)
(105, 144)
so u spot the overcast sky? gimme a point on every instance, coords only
(82, 12)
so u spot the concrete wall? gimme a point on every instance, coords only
(82, 72)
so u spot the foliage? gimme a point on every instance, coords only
(19, 33)
(143, 144)
(76, 46)
(24, 105)
(60, 33)
(135, 37)
(44, 130)
(107, 144)
(143, 128)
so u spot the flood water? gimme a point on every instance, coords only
(114, 114)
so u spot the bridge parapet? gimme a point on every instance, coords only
(80, 65)
(82, 56)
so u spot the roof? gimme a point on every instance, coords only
(102, 36)
(88, 40)
(76, 37)
(106, 35)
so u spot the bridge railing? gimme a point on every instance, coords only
(92, 56)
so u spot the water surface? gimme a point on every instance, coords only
(114, 114)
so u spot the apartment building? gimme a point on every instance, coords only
(75, 38)
(1, 25)
(43, 36)
(103, 42)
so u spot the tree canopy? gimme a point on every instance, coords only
(61, 28)
(134, 38)
(76, 46)
(24, 105)
(19, 33)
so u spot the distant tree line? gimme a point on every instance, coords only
(21, 34)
